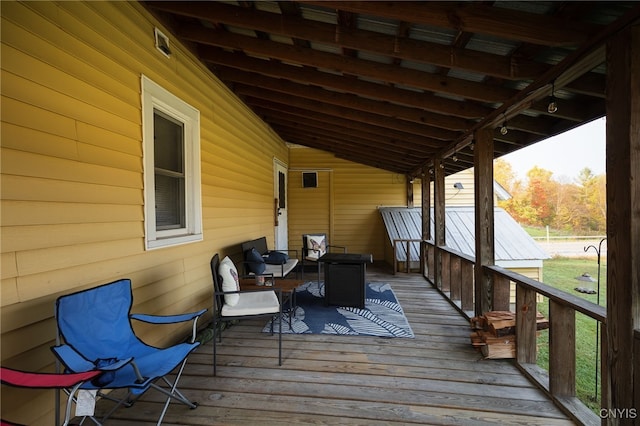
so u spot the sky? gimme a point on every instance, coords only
(566, 154)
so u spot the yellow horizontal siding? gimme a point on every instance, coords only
(72, 182)
(20, 238)
(346, 209)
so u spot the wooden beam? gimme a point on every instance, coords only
(350, 137)
(375, 70)
(352, 101)
(359, 40)
(361, 149)
(623, 218)
(409, 183)
(475, 18)
(484, 219)
(351, 114)
(306, 75)
(426, 204)
(439, 216)
(582, 60)
(269, 109)
(311, 125)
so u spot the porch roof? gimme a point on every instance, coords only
(396, 85)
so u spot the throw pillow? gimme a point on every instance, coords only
(276, 258)
(229, 275)
(316, 246)
(255, 262)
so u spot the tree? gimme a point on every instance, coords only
(503, 174)
(577, 206)
(541, 192)
(591, 197)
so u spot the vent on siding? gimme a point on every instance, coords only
(309, 179)
(162, 43)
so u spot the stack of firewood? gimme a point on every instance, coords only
(494, 333)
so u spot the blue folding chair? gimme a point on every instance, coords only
(94, 331)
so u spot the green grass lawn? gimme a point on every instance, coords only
(560, 273)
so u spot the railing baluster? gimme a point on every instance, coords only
(454, 278)
(446, 272)
(526, 326)
(466, 282)
(560, 381)
(501, 293)
(562, 350)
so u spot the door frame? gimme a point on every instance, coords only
(280, 229)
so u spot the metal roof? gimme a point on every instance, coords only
(399, 84)
(512, 243)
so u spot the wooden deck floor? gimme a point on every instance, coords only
(436, 378)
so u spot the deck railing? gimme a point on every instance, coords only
(452, 273)
(405, 244)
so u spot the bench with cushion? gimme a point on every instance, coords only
(258, 259)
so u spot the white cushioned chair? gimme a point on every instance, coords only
(314, 246)
(230, 303)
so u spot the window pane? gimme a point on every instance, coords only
(168, 143)
(169, 202)
(169, 172)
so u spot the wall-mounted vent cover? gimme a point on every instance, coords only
(162, 43)
(309, 179)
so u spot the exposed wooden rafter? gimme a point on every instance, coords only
(396, 85)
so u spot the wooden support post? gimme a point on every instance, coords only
(426, 220)
(409, 192)
(562, 350)
(623, 221)
(439, 215)
(485, 246)
(526, 326)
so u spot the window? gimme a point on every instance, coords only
(171, 139)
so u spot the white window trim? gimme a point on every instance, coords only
(156, 97)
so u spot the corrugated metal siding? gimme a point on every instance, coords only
(512, 243)
(72, 186)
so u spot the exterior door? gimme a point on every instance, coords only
(280, 205)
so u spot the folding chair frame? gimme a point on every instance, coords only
(67, 354)
(218, 302)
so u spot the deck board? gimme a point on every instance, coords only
(436, 378)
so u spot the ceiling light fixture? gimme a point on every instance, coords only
(503, 129)
(553, 105)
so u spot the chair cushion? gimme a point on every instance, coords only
(276, 258)
(229, 274)
(281, 271)
(253, 303)
(316, 246)
(255, 261)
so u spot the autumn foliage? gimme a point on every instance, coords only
(577, 207)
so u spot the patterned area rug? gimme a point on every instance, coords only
(382, 316)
